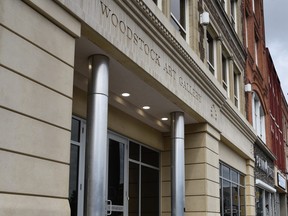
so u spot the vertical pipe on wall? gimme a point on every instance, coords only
(178, 164)
(97, 150)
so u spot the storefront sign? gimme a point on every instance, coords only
(137, 41)
(281, 181)
(264, 166)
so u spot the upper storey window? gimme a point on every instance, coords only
(233, 6)
(258, 117)
(210, 53)
(236, 87)
(225, 73)
(178, 16)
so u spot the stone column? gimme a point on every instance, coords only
(97, 151)
(250, 188)
(202, 170)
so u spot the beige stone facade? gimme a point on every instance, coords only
(44, 51)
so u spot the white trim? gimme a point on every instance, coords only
(265, 186)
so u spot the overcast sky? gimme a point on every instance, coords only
(276, 28)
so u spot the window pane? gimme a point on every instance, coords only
(221, 196)
(224, 73)
(226, 172)
(133, 189)
(73, 179)
(235, 200)
(150, 157)
(149, 192)
(116, 172)
(177, 8)
(259, 202)
(242, 179)
(227, 198)
(134, 151)
(75, 130)
(242, 201)
(210, 52)
(234, 176)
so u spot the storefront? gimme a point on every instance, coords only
(265, 192)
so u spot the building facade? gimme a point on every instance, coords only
(124, 108)
(285, 128)
(258, 107)
(263, 109)
(276, 128)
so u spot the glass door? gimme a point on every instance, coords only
(117, 175)
(77, 166)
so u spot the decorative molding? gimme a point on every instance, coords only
(214, 112)
(197, 73)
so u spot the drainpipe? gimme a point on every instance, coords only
(178, 164)
(96, 150)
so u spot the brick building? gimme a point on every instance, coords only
(263, 109)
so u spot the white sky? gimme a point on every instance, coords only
(276, 28)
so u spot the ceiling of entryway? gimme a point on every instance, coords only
(123, 80)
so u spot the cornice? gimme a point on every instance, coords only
(180, 52)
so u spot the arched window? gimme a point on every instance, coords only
(258, 117)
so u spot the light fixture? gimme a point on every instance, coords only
(204, 18)
(164, 119)
(146, 107)
(125, 94)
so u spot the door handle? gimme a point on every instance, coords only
(109, 207)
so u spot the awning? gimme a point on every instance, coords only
(265, 186)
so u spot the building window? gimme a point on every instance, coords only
(232, 191)
(178, 15)
(258, 117)
(233, 7)
(144, 187)
(210, 53)
(246, 30)
(225, 73)
(236, 88)
(256, 50)
(265, 202)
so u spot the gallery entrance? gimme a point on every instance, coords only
(133, 175)
(117, 176)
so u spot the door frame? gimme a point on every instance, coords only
(121, 139)
(81, 167)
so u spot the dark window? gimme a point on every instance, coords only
(177, 8)
(210, 53)
(144, 195)
(231, 192)
(75, 130)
